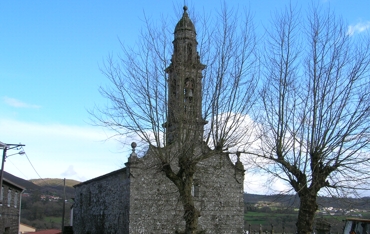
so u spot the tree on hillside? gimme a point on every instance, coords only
(314, 127)
(144, 102)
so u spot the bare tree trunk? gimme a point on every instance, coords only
(183, 180)
(307, 210)
(191, 213)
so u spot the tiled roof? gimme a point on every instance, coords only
(49, 231)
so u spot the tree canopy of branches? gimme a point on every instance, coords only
(315, 102)
(313, 118)
(138, 96)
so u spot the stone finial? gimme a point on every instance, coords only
(185, 23)
(133, 146)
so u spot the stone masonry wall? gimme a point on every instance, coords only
(140, 199)
(220, 195)
(9, 209)
(154, 200)
(101, 205)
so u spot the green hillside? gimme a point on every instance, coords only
(54, 182)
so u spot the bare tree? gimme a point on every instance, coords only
(146, 102)
(314, 127)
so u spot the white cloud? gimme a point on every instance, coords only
(358, 28)
(69, 172)
(257, 183)
(76, 152)
(19, 104)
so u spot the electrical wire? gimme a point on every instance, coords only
(46, 182)
(31, 164)
(17, 168)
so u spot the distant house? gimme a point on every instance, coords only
(10, 205)
(140, 198)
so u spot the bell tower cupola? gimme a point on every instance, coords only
(184, 111)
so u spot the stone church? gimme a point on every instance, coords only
(140, 198)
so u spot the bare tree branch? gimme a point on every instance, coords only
(315, 124)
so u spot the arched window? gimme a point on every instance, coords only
(189, 88)
(173, 87)
(189, 51)
(15, 199)
(9, 197)
(188, 96)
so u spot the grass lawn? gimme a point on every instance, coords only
(53, 219)
(266, 219)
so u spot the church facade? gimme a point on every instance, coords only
(140, 198)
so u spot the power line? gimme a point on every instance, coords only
(46, 182)
(17, 168)
(31, 164)
(59, 183)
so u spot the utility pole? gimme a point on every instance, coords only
(64, 205)
(2, 172)
(5, 148)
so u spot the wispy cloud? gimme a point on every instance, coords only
(69, 172)
(19, 104)
(55, 150)
(358, 28)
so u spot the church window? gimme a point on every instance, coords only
(195, 188)
(9, 197)
(189, 51)
(188, 95)
(173, 87)
(189, 89)
(15, 199)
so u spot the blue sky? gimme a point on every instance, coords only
(50, 54)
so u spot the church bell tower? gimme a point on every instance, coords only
(184, 111)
